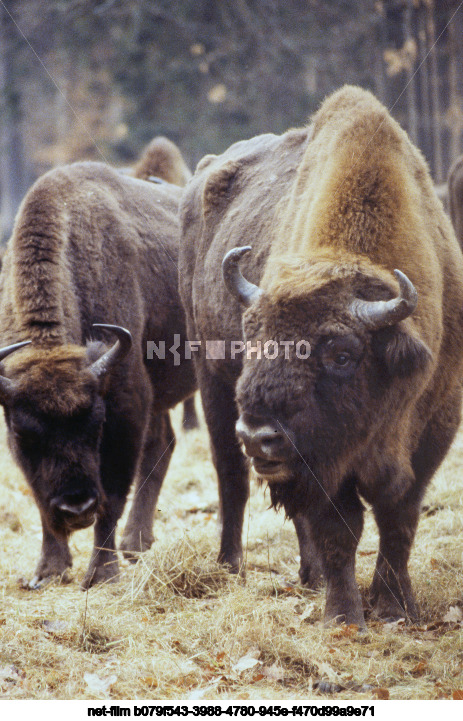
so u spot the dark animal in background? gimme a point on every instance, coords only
(162, 160)
(91, 247)
(352, 252)
(455, 196)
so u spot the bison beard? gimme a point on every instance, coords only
(351, 250)
(298, 495)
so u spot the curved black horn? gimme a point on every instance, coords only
(380, 313)
(239, 287)
(115, 354)
(7, 385)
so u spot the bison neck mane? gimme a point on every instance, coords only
(355, 191)
(42, 293)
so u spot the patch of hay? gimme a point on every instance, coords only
(187, 568)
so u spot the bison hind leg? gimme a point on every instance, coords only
(190, 417)
(159, 444)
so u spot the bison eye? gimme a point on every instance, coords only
(342, 359)
(340, 355)
(27, 431)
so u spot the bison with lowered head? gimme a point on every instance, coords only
(351, 252)
(89, 276)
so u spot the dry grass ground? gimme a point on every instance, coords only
(177, 627)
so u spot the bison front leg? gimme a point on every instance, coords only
(391, 594)
(230, 463)
(158, 448)
(54, 561)
(336, 529)
(104, 566)
(310, 571)
(120, 451)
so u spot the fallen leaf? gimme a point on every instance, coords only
(150, 681)
(381, 694)
(326, 670)
(458, 695)
(10, 673)
(394, 625)
(344, 631)
(246, 662)
(420, 669)
(453, 615)
(305, 610)
(97, 685)
(56, 626)
(274, 672)
(205, 691)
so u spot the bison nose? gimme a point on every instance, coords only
(262, 437)
(75, 503)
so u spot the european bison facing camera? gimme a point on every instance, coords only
(353, 254)
(93, 254)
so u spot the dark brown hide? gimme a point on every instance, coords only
(330, 211)
(162, 160)
(91, 246)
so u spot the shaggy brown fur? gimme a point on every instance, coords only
(162, 159)
(455, 194)
(92, 246)
(330, 211)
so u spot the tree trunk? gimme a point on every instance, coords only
(12, 185)
(434, 91)
(426, 143)
(410, 74)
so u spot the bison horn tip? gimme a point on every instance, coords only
(244, 291)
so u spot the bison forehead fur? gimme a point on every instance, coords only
(352, 251)
(56, 382)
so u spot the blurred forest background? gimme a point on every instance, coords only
(97, 79)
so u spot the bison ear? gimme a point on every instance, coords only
(402, 352)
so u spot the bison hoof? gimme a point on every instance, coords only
(134, 544)
(350, 613)
(108, 573)
(391, 611)
(310, 577)
(347, 619)
(233, 564)
(39, 581)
